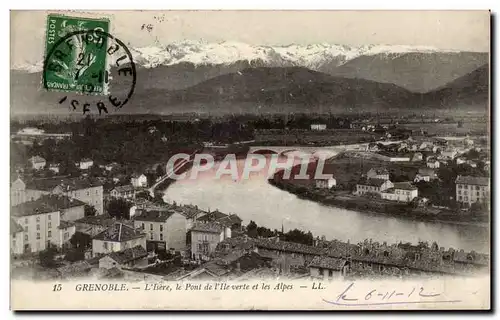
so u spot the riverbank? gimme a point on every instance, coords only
(382, 207)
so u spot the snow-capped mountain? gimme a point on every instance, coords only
(203, 53)
(180, 65)
(309, 56)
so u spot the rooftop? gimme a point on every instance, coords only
(372, 182)
(119, 232)
(128, 255)
(66, 184)
(125, 188)
(211, 227)
(404, 186)
(480, 181)
(45, 204)
(328, 263)
(37, 159)
(154, 215)
(99, 220)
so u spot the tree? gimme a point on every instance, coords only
(144, 195)
(89, 210)
(80, 240)
(160, 172)
(252, 229)
(119, 208)
(46, 257)
(75, 254)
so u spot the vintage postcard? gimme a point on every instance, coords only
(250, 160)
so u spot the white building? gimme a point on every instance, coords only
(204, 238)
(318, 126)
(433, 163)
(472, 189)
(139, 180)
(373, 186)
(85, 190)
(401, 191)
(38, 225)
(378, 174)
(325, 183)
(37, 162)
(117, 237)
(85, 164)
(164, 229)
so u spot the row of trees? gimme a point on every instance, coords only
(295, 235)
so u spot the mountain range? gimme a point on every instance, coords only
(197, 74)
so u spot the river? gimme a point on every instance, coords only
(255, 199)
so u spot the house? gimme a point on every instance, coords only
(227, 220)
(378, 174)
(372, 186)
(164, 229)
(85, 164)
(110, 166)
(449, 153)
(472, 189)
(425, 174)
(461, 160)
(318, 126)
(125, 192)
(37, 162)
(328, 268)
(71, 209)
(41, 225)
(93, 225)
(89, 191)
(135, 257)
(401, 191)
(325, 183)
(139, 180)
(433, 163)
(16, 237)
(417, 156)
(54, 167)
(117, 237)
(204, 238)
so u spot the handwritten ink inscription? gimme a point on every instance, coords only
(373, 297)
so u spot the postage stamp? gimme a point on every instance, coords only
(80, 64)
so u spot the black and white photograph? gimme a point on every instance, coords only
(250, 160)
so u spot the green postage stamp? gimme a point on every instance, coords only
(75, 55)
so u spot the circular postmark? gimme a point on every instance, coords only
(92, 69)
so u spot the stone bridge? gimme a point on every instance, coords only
(283, 150)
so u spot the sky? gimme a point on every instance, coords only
(457, 30)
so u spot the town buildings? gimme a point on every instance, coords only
(318, 126)
(124, 192)
(39, 224)
(204, 238)
(164, 230)
(382, 174)
(37, 162)
(401, 191)
(325, 183)
(328, 268)
(425, 174)
(139, 180)
(117, 237)
(470, 190)
(135, 257)
(85, 164)
(86, 190)
(372, 186)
